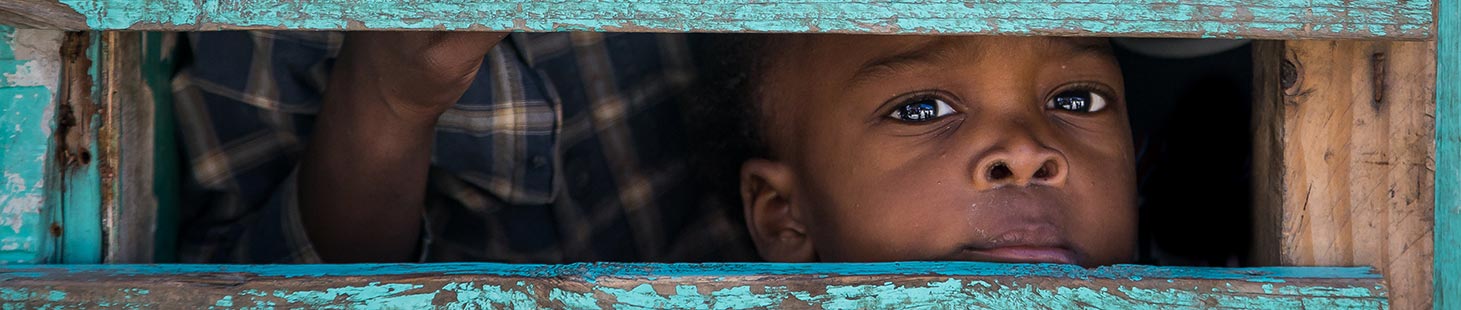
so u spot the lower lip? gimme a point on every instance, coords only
(1025, 254)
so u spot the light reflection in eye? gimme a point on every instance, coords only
(921, 110)
(1082, 101)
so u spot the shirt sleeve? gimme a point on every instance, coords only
(245, 105)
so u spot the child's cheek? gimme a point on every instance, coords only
(1105, 226)
(917, 210)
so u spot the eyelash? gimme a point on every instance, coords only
(1100, 97)
(901, 112)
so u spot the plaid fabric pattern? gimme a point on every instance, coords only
(567, 147)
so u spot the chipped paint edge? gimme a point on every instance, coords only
(596, 270)
(1209, 19)
(79, 200)
(693, 286)
(29, 73)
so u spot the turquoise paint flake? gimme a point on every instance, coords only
(1216, 18)
(13, 294)
(741, 297)
(386, 295)
(573, 300)
(644, 296)
(948, 293)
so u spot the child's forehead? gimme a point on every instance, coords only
(889, 45)
(858, 57)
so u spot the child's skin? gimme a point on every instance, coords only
(942, 148)
(362, 180)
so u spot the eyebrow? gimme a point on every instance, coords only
(928, 52)
(1083, 45)
(924, 54)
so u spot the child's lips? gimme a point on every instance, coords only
(1025, 254)
(1024, 229)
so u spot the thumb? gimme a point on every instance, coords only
(474, 43)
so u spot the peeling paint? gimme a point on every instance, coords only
(75, 197)
(27, 86)
(946, 285)
(595, 271)
(41, 62)
(1266, 19)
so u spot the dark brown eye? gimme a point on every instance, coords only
(1080, 101)
(921, 110)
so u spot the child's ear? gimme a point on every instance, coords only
(775, 221)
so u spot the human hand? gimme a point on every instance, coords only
(417, 75)
(363, 177)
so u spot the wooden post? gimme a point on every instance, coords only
(129, 206)
(83, 163)
(1343, 158)
(1448, 158)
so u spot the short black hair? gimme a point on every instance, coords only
(723, 115)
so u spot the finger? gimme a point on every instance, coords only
(478, 43)
(455, 49)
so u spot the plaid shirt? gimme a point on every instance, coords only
(567, 147)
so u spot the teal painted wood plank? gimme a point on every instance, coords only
(952, 285)
(1168, 18)
(26, 113)
(1448, 158)
(79, 206)
(23, 234)
(77, 196)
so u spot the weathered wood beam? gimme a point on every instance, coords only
(30, 74)
(40, 14)
(82, 165)
(1448, 158)
(1344, 158)
(1287, 19)
(959, 285)
(129, 209)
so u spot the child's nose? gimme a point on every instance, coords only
(1020, 164)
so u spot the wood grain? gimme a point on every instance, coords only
(1277, 19)
(955, 285)
(1448, 158)
(82, 160)
(40, 14)
(130, 216)
(1344, 158)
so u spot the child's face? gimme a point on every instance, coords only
(942, 148)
